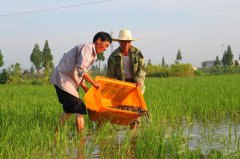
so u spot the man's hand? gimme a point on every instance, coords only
(96, 84)
(88, 78)
(138, 84)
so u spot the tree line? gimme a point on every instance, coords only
(42, 59)
(224, 66)
(42, 62)
(227, 59)
(178, 59)
(227, 65)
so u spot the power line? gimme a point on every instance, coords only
(49, 9)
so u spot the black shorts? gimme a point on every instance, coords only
(70, 103)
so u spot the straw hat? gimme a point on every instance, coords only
(124, 35)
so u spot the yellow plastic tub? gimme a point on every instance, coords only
(100, 102)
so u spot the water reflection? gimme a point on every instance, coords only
(114, 146)
(222, 136)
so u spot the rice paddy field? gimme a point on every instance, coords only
(189, 118)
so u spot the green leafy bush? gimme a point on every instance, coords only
(157, 71)
(184, 70)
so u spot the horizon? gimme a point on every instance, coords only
(201, 30)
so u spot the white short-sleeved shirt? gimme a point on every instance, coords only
(68, 73)
(126, 67)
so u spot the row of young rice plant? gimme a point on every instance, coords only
(27, 117)
(204, 98)
(209, 100)
(29, 114)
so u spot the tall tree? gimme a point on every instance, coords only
(217, 61)
(179, 56)
(229, 56)
(47, 56)
(100, 57)
(36, 58)
(47, 63)
(4, 76)
(227, 59)
(1, 59)
(149, 62)
(224, 58)
(163, 62)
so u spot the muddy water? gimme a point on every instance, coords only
(224, 136)
(219, 136)
(114, 145)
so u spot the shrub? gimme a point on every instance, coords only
(14, 74)
(184, 70)
(198, 72)
(157, 71)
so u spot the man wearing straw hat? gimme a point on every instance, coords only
(126, 63)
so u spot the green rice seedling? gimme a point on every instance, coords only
(206, 98)
(29, 115)
(26, 124)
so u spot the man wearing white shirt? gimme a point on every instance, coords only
(72, 72)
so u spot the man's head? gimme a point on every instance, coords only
(125, 38)
(102, 40)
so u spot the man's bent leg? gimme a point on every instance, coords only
(79, 119)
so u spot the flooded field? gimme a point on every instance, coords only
(189, 118)
(223, 139)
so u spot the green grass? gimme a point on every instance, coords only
(28, 117)
(205, 98)
(29, 114)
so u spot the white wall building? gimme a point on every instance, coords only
(207, 64)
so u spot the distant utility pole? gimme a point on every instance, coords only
(222, 47)
(111, 43)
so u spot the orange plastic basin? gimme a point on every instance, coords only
(100, 102)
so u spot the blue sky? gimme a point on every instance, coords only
(197, 28)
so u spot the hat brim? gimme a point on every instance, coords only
(115, 39)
